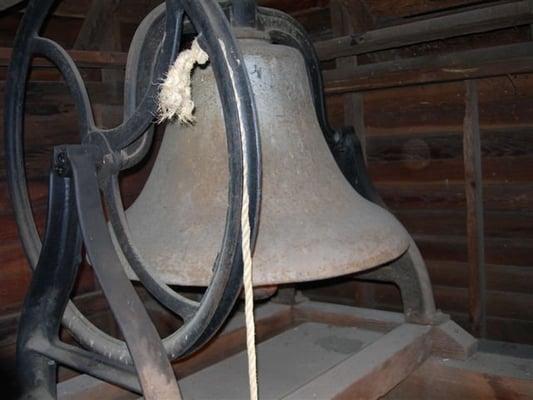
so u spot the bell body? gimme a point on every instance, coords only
(313, 224)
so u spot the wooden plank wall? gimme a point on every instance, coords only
(413, 141)
(414, 138)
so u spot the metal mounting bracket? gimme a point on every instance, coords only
(76, 216)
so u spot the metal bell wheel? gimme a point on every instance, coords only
(81, 172)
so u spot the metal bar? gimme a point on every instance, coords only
(474, 211)
(147, 351)
(49, 292)
(478, 63)
(93, 364)
(409, 273)
(461, 23)
(82, 58)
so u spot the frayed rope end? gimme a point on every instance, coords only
(175, 98)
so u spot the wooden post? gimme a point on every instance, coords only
(101, 31)
(474, 212)
(97, 29)
(348, 17)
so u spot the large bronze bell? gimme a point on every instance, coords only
(313, 223)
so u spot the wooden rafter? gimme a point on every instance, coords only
(456, 66)
(484, 19)
(82, 58)
(358, 15)
(98, 25)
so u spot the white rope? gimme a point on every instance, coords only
(247, 281)
(175, 101)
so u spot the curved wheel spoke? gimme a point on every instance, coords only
(140, 65)
(175, 302)
(137, 124)
(70, 72)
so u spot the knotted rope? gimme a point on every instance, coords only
(175, 101)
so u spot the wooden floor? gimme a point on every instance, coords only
(312, 349)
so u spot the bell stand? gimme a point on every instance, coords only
(74, 172)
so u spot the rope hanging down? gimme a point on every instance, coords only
(175, 102)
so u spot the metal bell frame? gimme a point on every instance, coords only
(75, 216)
(78, 174)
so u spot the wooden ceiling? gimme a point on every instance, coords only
(316, 16)
(132, 10)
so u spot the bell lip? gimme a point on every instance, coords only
(314, 275)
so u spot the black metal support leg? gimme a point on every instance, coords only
(37, 375)
(410, 275)
(409, 272)
(149, 356)
(49, 292)
(75, 211)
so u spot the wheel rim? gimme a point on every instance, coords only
(241, 124)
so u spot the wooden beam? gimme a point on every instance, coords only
(474, 210)
(357, 15)
(133, 11)
(101, 31)
(58, 92)
(487, 376)
(98, 25)
(478, 63)
(369, 373)
(271, 320)
(375, 370)
(449, 340)
(458, 24)
(341, 315)
(82, 58)
(348, 17)
(412, 8)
